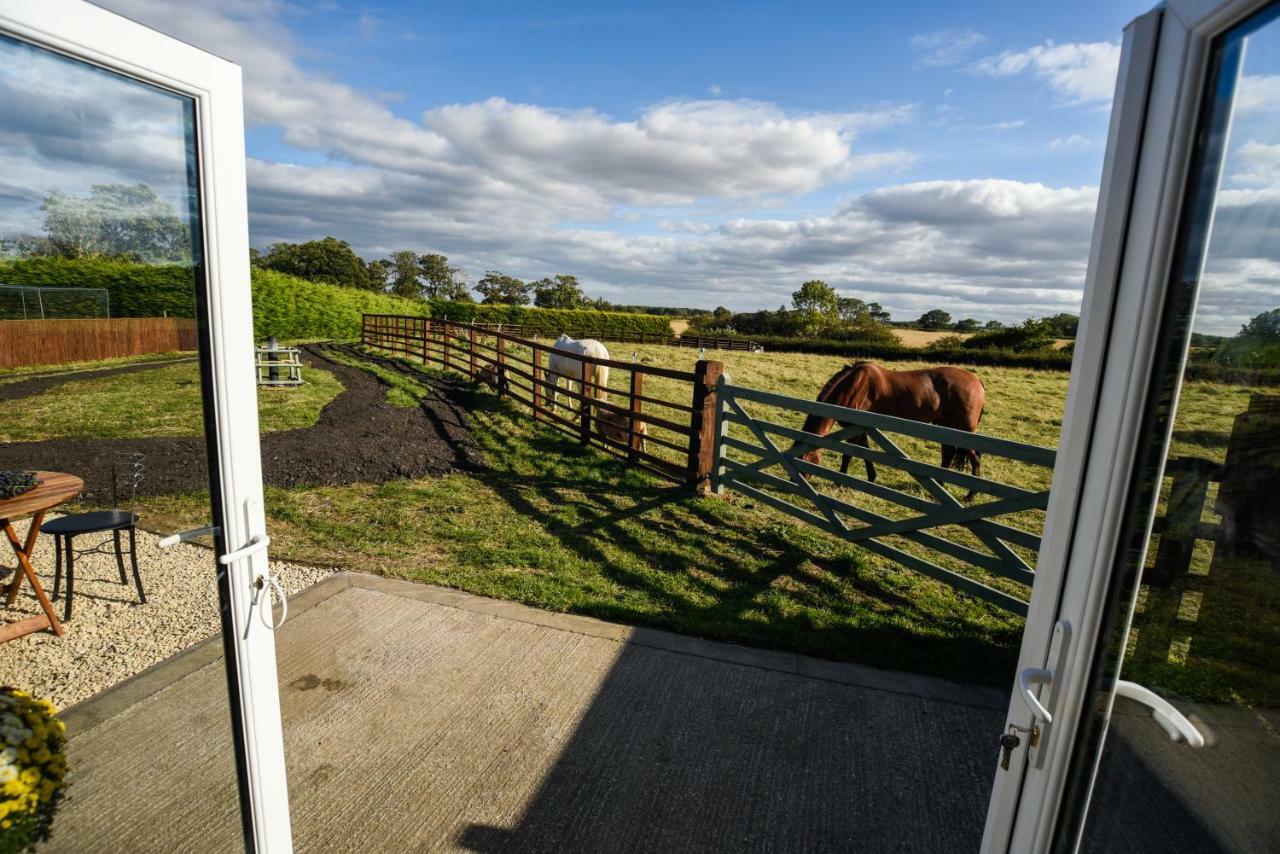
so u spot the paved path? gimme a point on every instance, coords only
(418, 718)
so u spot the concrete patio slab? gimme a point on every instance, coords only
(418, 718)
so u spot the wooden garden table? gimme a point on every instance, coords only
(55, 488)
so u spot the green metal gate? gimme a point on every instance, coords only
(920, 524)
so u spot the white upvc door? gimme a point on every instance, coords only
(84, 32)
(1170, 120)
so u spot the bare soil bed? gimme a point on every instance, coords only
(359, 438)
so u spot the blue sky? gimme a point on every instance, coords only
(920, 155)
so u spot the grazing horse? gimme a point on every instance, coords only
(949, 397)
(617, 426)
(575, 370)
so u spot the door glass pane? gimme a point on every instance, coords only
(1200, 590)
(102, 395)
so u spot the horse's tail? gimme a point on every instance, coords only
(601, 380)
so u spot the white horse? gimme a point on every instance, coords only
(574, 370)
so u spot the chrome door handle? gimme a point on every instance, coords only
(1170, 719)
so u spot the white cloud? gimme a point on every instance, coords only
(945, 47)
(713, 89)
(1257, 93)
(1012, 124)
(1078, 73)
(1074, 142)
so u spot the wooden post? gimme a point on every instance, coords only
(702, 425)
(584, 414)
(472, 345)
(502, 362)
(537, 381)
(634, 437)
(444, 344)
(426, 341)
(1181, 521)
(364, 330)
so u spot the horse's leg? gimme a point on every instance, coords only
(975, 462)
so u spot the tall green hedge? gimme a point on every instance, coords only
(552, 321)
(288, 307)
(136, 290)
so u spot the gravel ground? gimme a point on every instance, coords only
(110, 636)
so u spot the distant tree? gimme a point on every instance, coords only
(1264, 327)
(379, 271)
(721, 316)
(967, 325)
(1256, 345)
(935, 319)
(816, 296)
(328, 260)
(561, 291)
(440, 280)
(501, 289)
(992, 326)
(877, 313)
(255, 257)
(853, 310)
(401, 272)
(1064, 325)
(114, 220)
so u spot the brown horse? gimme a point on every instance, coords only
(949, 397)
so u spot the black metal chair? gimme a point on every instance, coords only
(127, 472)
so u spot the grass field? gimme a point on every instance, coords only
(160, 403)
(560, 527)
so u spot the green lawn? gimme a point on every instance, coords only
(559, 527)
(155, 403)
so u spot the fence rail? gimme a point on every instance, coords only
(672, 438)
(701, 342)
(52, 342)
(929, 524)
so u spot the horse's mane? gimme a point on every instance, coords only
(839, 377)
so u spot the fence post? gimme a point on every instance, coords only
(537, 381)
(702, 425)
(721, 430)
(635, 438)
(501, 341)
(584, 416)
(472, 346)
(444, 345)
(364, 330)
(426, 342)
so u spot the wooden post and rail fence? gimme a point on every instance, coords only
(712, 441)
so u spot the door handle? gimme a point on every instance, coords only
(188, 536)
(1044, 707)
(1026, 679)
(1170, 719)
(256, 544)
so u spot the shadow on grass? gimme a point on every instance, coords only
(713, 567)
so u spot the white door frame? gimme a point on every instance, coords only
(1150, 142)
(88, 33)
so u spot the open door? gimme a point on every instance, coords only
(1144, 712)
(128, 100)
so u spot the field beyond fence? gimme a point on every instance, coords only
(687, 427)
(50, 342)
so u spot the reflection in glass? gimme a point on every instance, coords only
(100, 260)
(1205, 627)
